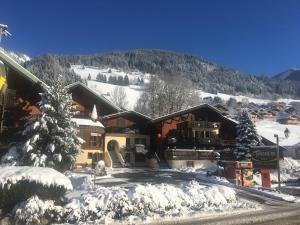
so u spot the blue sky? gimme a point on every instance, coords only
(257, 36)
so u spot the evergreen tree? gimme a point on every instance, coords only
(104, 78)
(98, 78)
(246, 137)
(51, 138)
(120, 80)
(89, 77)
(126, 80)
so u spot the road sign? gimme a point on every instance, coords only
(264, 157)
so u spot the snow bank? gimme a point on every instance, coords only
(289, 170)
(80, 181)
(41, 175)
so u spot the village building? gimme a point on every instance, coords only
(286, 118)
(254, 116)
(192, 137)
(127, 138)
(18, 98)
(224, 110)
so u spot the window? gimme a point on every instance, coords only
(120, 122)
(141, 141)
(127, 142)
(93, 141)
(90, 155)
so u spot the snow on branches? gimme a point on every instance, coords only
(50, 139)
(246, 137)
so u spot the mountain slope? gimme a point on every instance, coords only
(207, 76)
(291, 74)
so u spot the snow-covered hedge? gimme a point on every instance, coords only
(138, 203)
(20, 183)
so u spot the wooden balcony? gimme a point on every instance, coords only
(190, 154)
(200, 124)
(196, 142)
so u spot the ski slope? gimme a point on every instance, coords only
(267, 129)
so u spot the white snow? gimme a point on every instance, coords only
(268, 128)
(137, 204)
(42, 175)
(87, 122)
(132, 93)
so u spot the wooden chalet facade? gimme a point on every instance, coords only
(18, 98)
(192, 137)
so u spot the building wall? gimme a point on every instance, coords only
(121, 140)
(177, 164)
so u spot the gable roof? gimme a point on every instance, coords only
(98, 96)
(181, 112)
(127, 114)
(20, 69)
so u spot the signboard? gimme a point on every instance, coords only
(264, 157)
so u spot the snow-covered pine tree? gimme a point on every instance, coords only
(246, 137)
(51, 138)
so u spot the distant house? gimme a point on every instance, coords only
(286, 118)
(254, 116)
(224, 110)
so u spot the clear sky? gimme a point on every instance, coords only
(252, 36)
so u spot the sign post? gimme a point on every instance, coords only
(278, 158)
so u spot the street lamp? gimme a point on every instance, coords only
(278, 158)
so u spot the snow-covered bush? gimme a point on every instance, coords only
(138, 203)
(20, 183)
(100, 169)
(50, 139)
(36, 211)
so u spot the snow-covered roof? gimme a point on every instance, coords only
(20, 69)
(87, 122)
(41, 175)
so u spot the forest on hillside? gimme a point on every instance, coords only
(207, 76)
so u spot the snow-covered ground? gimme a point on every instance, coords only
(267, 129)
(85, 71)
(133, 92)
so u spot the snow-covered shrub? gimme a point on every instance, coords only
(36, 211)
(50, 139)
(20, 183)
(100, 169)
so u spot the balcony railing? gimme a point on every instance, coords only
(190, 154)
(192, 142)
(202, 124)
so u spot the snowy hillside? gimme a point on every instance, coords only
(268, 128)
(85, 71)
(133, 92)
